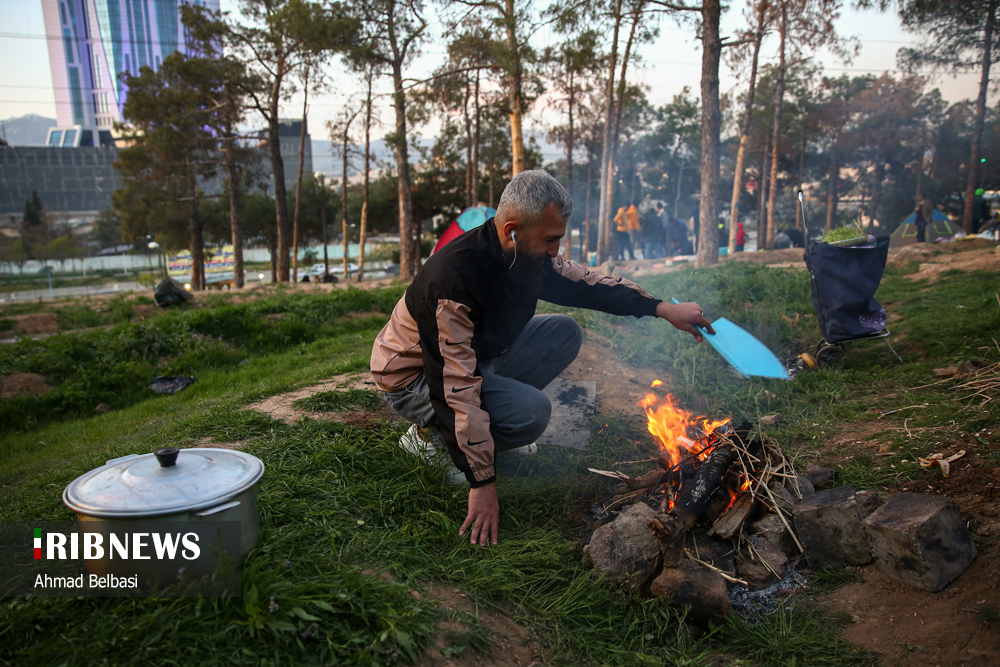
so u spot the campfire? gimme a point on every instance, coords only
(709, 472)
(724, 516)
(711, 480)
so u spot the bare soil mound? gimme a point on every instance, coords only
(18, 384)
(282, 406)
(35, 323)
(512, 646)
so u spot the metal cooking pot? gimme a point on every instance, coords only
(199, 484)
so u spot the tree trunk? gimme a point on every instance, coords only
(618, 108)
(604, 205)
(468, 146)
(278, 169)
(197, 242)
(734, 207)
(711, 120)
(322, 222)
(585, 242)
(235, 211)
(832, 188)
(977, 128)
(364, 188)
(409, 251)
(762, 195)
(298, 182)
(343, 193)
(776, 134)
(569, 162)
(475, 149)
(272, 249)
(514, 77)
(800, 209)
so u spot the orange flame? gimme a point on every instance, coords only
(669, 424)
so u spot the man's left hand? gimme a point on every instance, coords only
(484, 515)
(685, 316)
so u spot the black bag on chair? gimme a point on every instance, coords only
(844, 281)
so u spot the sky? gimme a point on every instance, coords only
(670, 63)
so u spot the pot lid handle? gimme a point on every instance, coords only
(167, 456)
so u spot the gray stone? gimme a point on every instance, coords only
(770, 420)
(818, 475)
(800, 487)
(829, 526)
(970, 367)
(868, 501)
(626, 549)
(773, 529)
(693, 585)
(786, 501)
(764, 565)
(920, 540)
(718, 552)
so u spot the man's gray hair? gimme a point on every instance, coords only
(528, 195)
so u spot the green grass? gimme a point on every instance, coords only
(827, 581)
(802, 636)
(335, 401)
(115, 366)
(336, 499)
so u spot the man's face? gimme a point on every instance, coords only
(541, 241)
(536, 245)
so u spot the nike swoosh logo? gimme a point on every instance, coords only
(473, 444)
(448, 342)
(455, 391)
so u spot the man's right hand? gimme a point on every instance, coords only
(484, 515)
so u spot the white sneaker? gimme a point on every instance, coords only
(418, 444)
(526, 450)
(428, 446)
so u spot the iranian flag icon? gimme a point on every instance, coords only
(38, 543)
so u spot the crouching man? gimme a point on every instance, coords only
(465, 358)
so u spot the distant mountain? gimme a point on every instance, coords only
(328, 162)
(30, 130)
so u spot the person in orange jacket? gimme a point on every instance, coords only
(633, 227)
(624, 241)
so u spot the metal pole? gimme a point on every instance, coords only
(805, 227)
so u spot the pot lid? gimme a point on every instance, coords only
(167, 481)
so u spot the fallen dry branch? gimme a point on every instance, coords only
(722, 573)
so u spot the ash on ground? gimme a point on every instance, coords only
(753, 606)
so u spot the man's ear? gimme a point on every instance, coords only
(509, 228)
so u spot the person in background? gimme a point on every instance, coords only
(980, 211)
(652, 233)
(621, 235)
(741, 237)
(633, 226)
(924, 215)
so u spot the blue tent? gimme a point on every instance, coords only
(467, 220)
(936, 216)
(906, 233)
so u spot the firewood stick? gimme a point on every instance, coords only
(687, 552)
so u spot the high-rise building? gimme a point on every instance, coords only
(99, 40)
